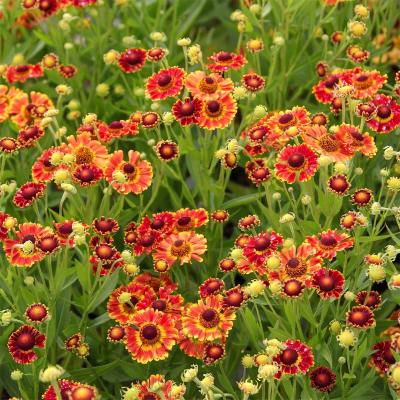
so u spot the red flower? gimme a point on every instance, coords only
(357, 141)
(188, 111)
(28, 193)
(28, 136)
(22, 342)
(155, 387)
(328, 283)
(234, 298)
(42, 169)
(253, 82)
(323, 90)
(87, 174)
(383, 357)
(224, 61)
(132, 60)
(210, 287)
(152, 338)
(67, 71)
(165, 83)
(166, 150)
(105, 226)
(371, 299)
(339, 184)
(295, 358)
(259, 247)
(20, 73)
(360, 317)
(37, 313)
(387, 117)
(329, 242)
(71, 390)
(187, 219)
(322, 379)
(213, 352)
(116, 334)
(296, 162)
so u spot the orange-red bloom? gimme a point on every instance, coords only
(182, 247)
(132, 60)
(208, 87)
(387, 117)
(165, 83)
(295, 358)
(152, 338)
(328, 283)
(28, 193)
(187, 112)
(136, 174)
(218, 113)
(207, 320)
(224, 61)
(296, 162)
(329, 242)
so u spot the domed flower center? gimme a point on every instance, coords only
(104, 251)
(150, 119)
(209, 318)
(224, 56)
(180, 248)
(150, 333)
(328, 241)
(296, 160)
(29, 192)
(37, 312)
(82, 393)
(157, 224)
(159, 305)
(150, 396)
(147, 240)
(326, 283)
(258, 133)
(25, 341)
(235, 299)
(384, 112)
(362, 81)
(262, 243)
(86, 174)
(164, 80)
(22, 68)
(213, 107)
(261, 173)
(289, 356)
(359, 317)
(116, 125)
(48, 244)
(215, 351)
(83, 155)
(208, 85)
(295, 267)
(31, 132)
(331, 82)
(184, 221)
(322, 379)
(357, 135)
(286, 119)
(104, 225)
(339, 184)
(293, 287)
(187, 108)
(65, 229)
(213, 286)
(155, 52)
(388, 356)
(128, 168)
(8, 144)
(29, 238)
(132, 58)
(328, 143)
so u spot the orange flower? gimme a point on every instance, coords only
(318, 138)
(152, 338)
(187, 219)
(182, 247)
(87, 151)
(207, 320)
(165, 83)
(26, 109)
(296, 162)
(187, 112)
(135, 174)
(218, 113)
(299, 263)
(356, 140)
(208, 87)
(366, 83)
